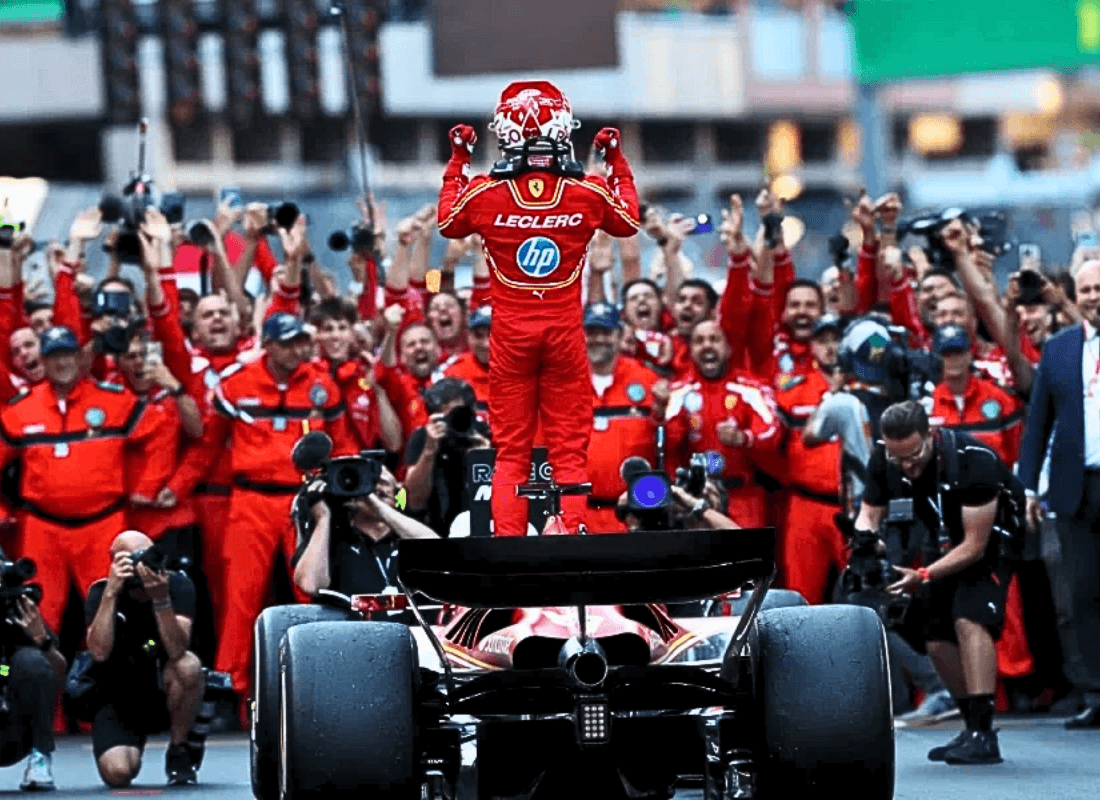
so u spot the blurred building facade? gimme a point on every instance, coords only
(711, 95)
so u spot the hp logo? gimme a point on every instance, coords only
(538, 257)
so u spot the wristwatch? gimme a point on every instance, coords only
(179, 391)
(167, 604)
(47, 645)
(700, 508)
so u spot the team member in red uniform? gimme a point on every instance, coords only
(535, 218)
(989, 360)
(77, 439)
(371, 416)
(810, 543)
(473, 365)
(265, 407)
(444, 316)
(625, 413)
(725, 411)
(409, 356)
(969, 403)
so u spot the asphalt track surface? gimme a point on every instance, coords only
(1042, 760)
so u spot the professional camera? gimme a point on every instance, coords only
(13, 585)
(992, 227)
(693, 478)
(157, 560)
(128, 211)
(281, 215)
(344, 477)
(869, 572)
(462, 419)
(358, 237)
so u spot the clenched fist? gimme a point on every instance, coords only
(463, 139)
(607, 142)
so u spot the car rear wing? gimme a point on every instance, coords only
(614, 569)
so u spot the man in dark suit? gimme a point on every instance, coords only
(1066, 400)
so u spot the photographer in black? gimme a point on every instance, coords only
(139, 631)
(34, 669)
(348, 544)
(960, 593)
(436, 480)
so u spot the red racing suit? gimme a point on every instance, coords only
(535, 230)
(695, 410)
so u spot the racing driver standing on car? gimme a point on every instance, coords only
(536, 212)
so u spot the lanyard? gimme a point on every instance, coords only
(943, 538)
(1096, 365)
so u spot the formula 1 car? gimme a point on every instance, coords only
(558, 664)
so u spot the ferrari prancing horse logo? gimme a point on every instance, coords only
(536, 186)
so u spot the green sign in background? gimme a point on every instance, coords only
(22, 11)
(899, 39)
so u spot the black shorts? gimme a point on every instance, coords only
(128, 717)
(978, 594)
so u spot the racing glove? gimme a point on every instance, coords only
(463, 138)
(608, 143)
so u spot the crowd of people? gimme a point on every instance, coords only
(174, 414)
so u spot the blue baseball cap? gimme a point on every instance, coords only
(480, 317)
(56, 339)
(283, 328)
(950, 338)
(601, 315)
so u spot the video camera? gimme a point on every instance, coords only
(128, 210)
(992, 227)
(14, 577)
(870, 570)
(343, 478)
(649, 491)
(540, 153)
(879, 355)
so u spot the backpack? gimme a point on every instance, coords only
(1010, 524)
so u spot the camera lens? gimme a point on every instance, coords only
(338, 240)
(461, 421)
(346, 480)
(286, 215)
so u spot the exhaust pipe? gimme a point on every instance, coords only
(585, 662)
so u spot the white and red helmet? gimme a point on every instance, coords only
(529, 109)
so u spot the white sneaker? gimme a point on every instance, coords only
(937, 707)
(38, 777)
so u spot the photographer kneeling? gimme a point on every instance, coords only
(139, 630)
(348, 544)
(35, 669)
(960, 592)
(436, 480)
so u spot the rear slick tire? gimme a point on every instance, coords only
(270, 628)
(823, 689)
(346, 708)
